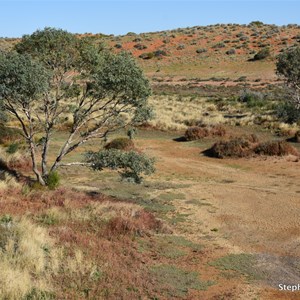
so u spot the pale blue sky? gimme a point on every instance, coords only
(119, 17)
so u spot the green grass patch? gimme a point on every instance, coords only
(198, 202)
(171, 196)
(243, 264)
(176, 282)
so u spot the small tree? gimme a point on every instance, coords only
(288, 66)
(54, 73)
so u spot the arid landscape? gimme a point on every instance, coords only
(219, 216)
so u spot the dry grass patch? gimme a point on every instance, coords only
(28, 259)
(276, 148)
(120, 144)
(196, 133)
(234, 147)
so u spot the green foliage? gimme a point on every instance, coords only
(256, 23)
(53, 71)
(132, 164)
(131, 132)
(287, 113)
(177, 281)
(230, 52)
(148, 55)
(252, 98)
(22, 80)
(288, 66)
(262, 54)
(201, 50)
(53, 180)
(12, 148)
(243, 264)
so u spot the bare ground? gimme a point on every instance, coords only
(238, 206)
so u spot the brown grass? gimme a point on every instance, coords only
(276, 148)
(197, 132)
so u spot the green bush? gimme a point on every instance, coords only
(230, 52)
(12, 148)
(131, 163)
(53, 180)
(148, 55)
(262, 54)
(252, 98)
(287, 113)
(201, 50)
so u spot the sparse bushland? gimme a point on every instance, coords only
(105, 92)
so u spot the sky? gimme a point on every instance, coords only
(19, 17)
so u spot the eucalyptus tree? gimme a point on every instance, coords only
(288, 67)
(52, 75)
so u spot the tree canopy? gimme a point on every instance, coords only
(52, 75)
(288, 66)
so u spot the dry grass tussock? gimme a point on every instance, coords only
(172, 113)
(179, 112)
(27, 258)
(30, 261)
(120, 218)
(245, 146)
(199, 132)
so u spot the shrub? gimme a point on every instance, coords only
(12, 148)
(120, 144)
(118, 46)
(180, 47)
(201, 50)
(148, 55)
(140, 46)
(276, 148)
(219, 45)
(236, 147)
(287, 113)
(159, 53)
(131, 163)
(296, 138)
(53, 180)
(230, 52)
(200, 132)
(262, 54)
(252, 98)
(217, 130)
(196, 133)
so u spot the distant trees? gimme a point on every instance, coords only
(288, 67)
(52, 74)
